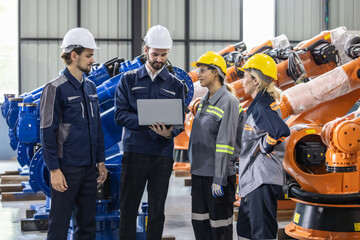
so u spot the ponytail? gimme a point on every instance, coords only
(266, 84)
(230, 89)
(273, 91)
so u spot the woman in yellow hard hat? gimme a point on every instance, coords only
(211, 149)
(262, 151)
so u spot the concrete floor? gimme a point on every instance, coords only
(177, 212)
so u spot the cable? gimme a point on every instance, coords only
(352, 47)
(296, 68)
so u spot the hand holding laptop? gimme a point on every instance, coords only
(162, 130)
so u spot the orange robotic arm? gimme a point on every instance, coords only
(342, 136)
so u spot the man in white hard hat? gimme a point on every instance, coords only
(72, 140)
(147, 150)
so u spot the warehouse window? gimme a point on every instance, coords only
(259, 21)
(9, 48)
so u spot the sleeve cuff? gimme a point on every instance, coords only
(220, 181)
(54, 165)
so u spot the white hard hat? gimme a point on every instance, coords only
(158, 37)
(78, 37)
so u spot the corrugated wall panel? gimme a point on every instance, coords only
(107, 18)
(299, 19)
(47, 19)
(169, 13)
(213, 19)
(40, 62)
(111, 49)
(197, 49)
(344, 13)
(177, 55)
(40, 59)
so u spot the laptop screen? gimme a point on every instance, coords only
(168, 111)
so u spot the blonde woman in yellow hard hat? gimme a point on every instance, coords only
(211, 149)
(262, 151)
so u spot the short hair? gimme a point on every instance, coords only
(66, 56)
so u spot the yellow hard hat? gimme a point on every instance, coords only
(262, 62)
(212, 59)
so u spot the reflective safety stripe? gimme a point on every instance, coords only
(224, 148)
(216, 108)
(281, 139)
(270, 140)
(199, 107)
(82, 108)
(225, 151)
(240, 108)
(274, 106)
(221, 223)
(212, 111)
(200, 216)
(248, 127)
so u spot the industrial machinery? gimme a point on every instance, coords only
(307, 60)
(322, 155)
(23, 114)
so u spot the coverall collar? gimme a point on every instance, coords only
(216, 96)
(72, 79)
(163, 74)
(259, 98)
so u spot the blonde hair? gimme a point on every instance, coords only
(230, 88)
(265, 86)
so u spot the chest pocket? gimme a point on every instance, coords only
(77, 105)
(140, 92)
(211, 119)
(164, 93)
(93, 104)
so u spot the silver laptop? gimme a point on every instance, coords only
(168, 111)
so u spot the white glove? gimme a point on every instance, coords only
(217, 190)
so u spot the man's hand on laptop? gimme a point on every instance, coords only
(162, 130)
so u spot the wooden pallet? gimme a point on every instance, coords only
(20, 196)
(31, 224)
(11, 187)
(9, 173)
(182, 173)
(13, 179)
(169, 237)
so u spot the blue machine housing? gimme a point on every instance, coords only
(25, 128)
(5, 106)
(11, 119)
(28, 125)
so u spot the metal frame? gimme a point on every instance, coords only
(187, 39)
(19, 50)
(136, 30)
(136, 19)
(276, 30)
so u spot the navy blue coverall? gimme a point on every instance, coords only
(72, 141)
(147, 155)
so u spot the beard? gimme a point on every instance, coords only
(155, 64)
(83, 69)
